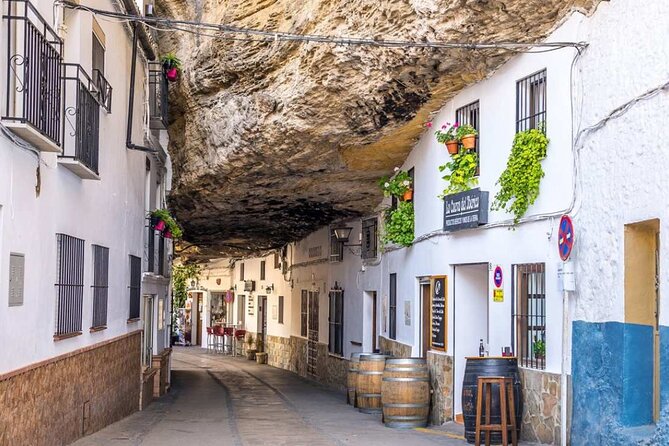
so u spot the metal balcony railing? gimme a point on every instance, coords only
(156, 253)
(103, 90)
(33, 77)
(81, 126)
(158, 105)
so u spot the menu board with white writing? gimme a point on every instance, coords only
(438, 313)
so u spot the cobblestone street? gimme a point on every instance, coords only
(218, 400)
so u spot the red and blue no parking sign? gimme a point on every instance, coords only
(565, 237)
(497, 277)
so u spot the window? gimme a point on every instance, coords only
(277, 260)
(135, 287)
(100, 285)
(336, 319)
(241, 271)
(530, 295)
(469, 114)
(161, 313)
(392, 307)
(70, 286)
(336, 248)
(17, 264)
(262, 270)
(281, 309)
(531, 102)
(369, 238)
(102, 86)
(241, 314)
(412, 174)
(304, 309)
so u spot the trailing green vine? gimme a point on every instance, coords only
(399, 224)
(462, 172)
(180, 276)
(519, 183)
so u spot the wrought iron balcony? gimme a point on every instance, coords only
(158, 105)
(32, 55)
(157, 260)
(103, 90)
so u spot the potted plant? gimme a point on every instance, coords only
(171, 66)
(462, 172)
(159, 219)
(399, 185)
(250, 351)
(398, 226)
(539, 349)
(261, 356)
(447, 135)
(467, 136)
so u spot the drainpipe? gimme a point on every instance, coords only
(131, 96)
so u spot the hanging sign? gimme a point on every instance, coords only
(464, 210)
(565, 237)
(497, 277)
(251, 305)
(438, 314)
(229, 296)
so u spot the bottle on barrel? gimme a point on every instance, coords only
(481, 349)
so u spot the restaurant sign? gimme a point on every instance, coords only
(464, 210)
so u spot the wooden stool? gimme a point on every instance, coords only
(506, 405)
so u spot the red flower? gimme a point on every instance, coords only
(428, 125)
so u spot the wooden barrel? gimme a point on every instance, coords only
(352, 378)
(368, 390)
(489, 366)
(405, 393)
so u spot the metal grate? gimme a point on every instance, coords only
(530, 295)
(336, 321)
(135, 286)
(70, 286)
(392, 307)
(336, 248)
(33, 77)
(531, 102)
(100, 285)
(369, 238)
(158, 104)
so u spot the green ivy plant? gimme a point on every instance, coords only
(519, 183)
(396, 185)
(181, 274)
(461, 174)
(539, 348)
(399, 225)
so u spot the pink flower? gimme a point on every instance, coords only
(444, 126)
(428, 125)
(456, 125)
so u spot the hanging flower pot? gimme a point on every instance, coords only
(469, 142)
(171, 66)
(167, 233)
(159, 225)
(172, 74)
(408, 195)
(452, 146)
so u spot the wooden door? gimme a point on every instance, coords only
(374, 321)
(425, 319)
(312, 339)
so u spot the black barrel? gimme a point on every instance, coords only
(489, 366)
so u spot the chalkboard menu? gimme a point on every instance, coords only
(438, 314)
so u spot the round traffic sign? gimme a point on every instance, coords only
(565, 237)
(498, 277)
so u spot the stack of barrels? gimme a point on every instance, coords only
(399, 388)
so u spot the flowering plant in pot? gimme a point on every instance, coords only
(461, 174)
(399, 185)
(466, 134)
(539, 348)
(448, 135)
(159, 219)
(171, 66)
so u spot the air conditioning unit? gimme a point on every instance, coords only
(249, 285)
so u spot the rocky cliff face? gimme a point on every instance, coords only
(270, 140)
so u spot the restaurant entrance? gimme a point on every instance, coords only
(470, 321)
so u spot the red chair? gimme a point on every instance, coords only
(210, 339)
(218, 338)
(228, 333)
(240, 336)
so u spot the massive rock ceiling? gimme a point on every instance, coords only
(271, 140)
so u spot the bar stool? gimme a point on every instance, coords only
(218, 338)
(228, 333)
(506, 405)
(240, 335)
(210, 339)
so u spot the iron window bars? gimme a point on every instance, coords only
(135, 286)
(150, 249)
(100, 285)
(392, 307)
(33, 64)
(70, 285)
(531, 102)
(530, 295)
(262, 270)
(336, 248)
(158, 105)
(103, 90)
(369, 238)
(469, 114)
(336, 322)
(81, 142)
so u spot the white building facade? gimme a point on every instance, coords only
(85, 304)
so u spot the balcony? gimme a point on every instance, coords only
(103, 90)
(81, 126)
(158, 91)
(32, 108)
(157, 260)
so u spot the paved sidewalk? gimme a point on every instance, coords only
(218, 400)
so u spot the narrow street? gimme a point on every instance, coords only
(231, 401)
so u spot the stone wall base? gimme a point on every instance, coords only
(161, 362)
(394, 348)
(541, 406)
(441, 381)
(57, 401)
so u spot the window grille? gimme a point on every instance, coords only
(158, 90)
(241, 271)
(151, 249)
(135, 286)
(100, 285)
(369, 238)
(392, 307)
(530, 295)
(262, 270)
(469, 114)
(336, 248)
(336, 320)
(70, 286)
(531, 102)
(281, 309)
(277, 260)
(161, 255)
(304, 308)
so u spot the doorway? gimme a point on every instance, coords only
(424, 321)
(369, 341)
(148, 330)
(312, 338)
(262, 321)
(470, 321)
(198, 318)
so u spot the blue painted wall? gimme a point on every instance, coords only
(612, 376)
